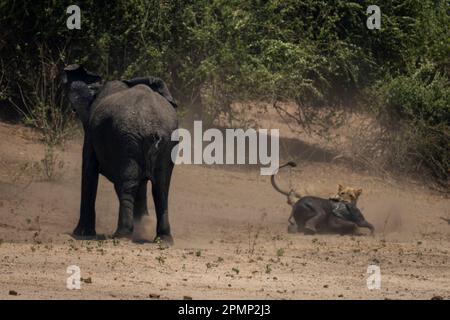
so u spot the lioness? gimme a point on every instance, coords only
(337, 214)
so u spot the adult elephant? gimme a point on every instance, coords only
(127, 138)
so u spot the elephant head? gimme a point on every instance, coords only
(82, 87)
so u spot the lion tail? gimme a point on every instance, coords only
(272, 178)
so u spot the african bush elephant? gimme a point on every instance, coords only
(127, 138)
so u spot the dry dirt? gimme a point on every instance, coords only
(229, 227)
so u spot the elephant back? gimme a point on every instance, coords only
(136, 110)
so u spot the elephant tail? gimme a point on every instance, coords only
(151, 150)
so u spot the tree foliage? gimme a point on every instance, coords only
(212, 53)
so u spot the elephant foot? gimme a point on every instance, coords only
(310, 231)
(142, 241)
(123, 233)
(292, 228)
(84, 233)
(165, 240)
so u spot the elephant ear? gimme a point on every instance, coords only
(75, 72)
(95, 88)
(81, 96)
(156, 84)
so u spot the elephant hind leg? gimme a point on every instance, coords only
(126, 192)
(160, 191)
(292, 227)
(312, 223)
(141, 230)
(342, 226)
(140, 205)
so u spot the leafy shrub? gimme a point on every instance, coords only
(416, 110)
(212, 54)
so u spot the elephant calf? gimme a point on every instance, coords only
(314, 214)
(127, 138)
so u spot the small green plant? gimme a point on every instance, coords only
(280, 252)
(161, 259)
(50, 164)
(198, 253)
(42, 102)
(253, 234)
(268, 268)
(415, 110)
(161, 245)
(49, 168)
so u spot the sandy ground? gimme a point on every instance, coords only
(229, 227)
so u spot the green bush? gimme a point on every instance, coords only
(416, 110)
(211, 53)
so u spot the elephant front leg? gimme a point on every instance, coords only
(292, 227)
(89, 182)
(343, 226)
(312, 223)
